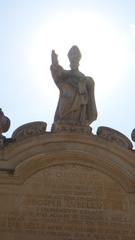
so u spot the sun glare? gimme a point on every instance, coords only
(104, 50)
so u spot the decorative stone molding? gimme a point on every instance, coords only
(24, 158)
(29, 129)
(133, 135)
(114, 136)
(66, 179)
(4, 126)
(4, 122)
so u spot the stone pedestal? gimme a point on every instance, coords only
(58, 127)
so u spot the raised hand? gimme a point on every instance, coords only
(54, 59)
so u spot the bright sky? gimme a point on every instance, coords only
(105, 33)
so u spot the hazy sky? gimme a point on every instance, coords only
(105, 33)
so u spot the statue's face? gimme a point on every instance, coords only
(74, 63)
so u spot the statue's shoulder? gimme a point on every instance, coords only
(91, 80)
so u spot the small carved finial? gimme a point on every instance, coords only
(4, 122)
(133, 135)
(4, 126)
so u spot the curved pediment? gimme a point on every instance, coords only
(27, 156)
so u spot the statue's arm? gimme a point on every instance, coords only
(90, 83)
(91, 94)
(56, 70)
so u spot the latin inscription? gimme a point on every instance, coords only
(66, 207)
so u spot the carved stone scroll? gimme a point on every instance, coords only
(29, 129)
(115, 137)
(4, 126)
(133, 135)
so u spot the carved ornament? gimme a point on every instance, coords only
(115, 136)
(29, 129)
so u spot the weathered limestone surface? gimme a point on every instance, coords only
(66, 186)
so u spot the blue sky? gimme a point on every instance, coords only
(105, 33)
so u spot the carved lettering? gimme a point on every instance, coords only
(69, 209)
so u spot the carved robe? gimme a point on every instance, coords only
(76, 102)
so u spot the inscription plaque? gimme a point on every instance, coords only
(68, 202)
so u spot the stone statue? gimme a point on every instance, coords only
(4, 126)
(76, 107)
